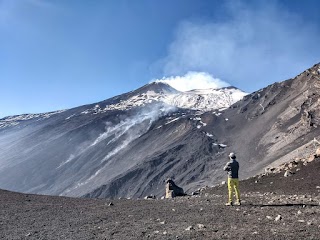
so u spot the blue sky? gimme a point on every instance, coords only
(61, 54)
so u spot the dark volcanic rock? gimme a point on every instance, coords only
(205, 216)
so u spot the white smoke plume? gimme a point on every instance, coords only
(122, 134)
(253, 45)
(132, 128)
(193, 80)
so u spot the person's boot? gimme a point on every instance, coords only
(228, 204)
(237, 203)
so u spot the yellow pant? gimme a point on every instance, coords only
(233, 184)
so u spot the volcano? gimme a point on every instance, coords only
(126, 146)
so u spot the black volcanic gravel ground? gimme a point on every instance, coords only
(25, 216)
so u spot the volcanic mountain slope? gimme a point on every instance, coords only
(281, 210)
(128, 145)
(273, 125)
(136, 136)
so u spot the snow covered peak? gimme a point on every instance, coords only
(156, 92)
(202, 99)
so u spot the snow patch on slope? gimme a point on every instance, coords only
(206, 100)
(17, 119)
(171, 121)
(137, 101)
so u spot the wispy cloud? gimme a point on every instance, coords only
(193, 80)
(253, 46)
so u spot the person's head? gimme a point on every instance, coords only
(232, 156)
(169, 180)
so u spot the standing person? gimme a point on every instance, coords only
(232, 167)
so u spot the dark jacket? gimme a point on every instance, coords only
(232, 167)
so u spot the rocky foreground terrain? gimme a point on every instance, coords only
(274, 207)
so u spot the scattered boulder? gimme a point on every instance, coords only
(311, 158)
(172, 190)
(317, 155)
(278, 218)
(203, 188)
(150, 197)
(189, 228)
(195, 193)
(288, 174)
(269, 170)
(201, 226)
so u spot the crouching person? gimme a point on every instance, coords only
(172, 190)
(232, 167)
